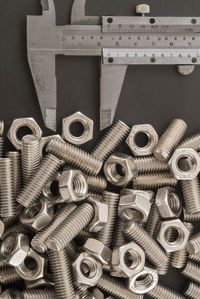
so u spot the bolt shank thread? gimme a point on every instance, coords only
(30, 193)
(30, 157)
(170, 139)
(161, 292)
(38, 294)
(17, 172)
(134, 232)
(191, 142)
(192, 271)
(62, 274)
(150, 164)
(192, 290)
(105, 235)
(71, 227)
(152, 224)
(111, 140)
(39, 240)
(96, 183)
(9, 276)
(154, 181)
(74, 156)
(7, 198)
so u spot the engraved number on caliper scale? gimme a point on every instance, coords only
(118, 41)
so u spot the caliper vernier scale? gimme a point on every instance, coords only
(119, 41)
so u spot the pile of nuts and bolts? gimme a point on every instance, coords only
(103, 223)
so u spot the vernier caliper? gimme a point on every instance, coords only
(119, 41)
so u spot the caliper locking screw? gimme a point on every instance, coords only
(7, 203)
(170, 139)
(71, 227)
(134, 232)
(105, 235)
(30, 193)
(62, 275)
(30, 157)
(111, 140)
(74, 156)
(154, 181)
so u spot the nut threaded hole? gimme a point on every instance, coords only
(132, 259)
(79, 185)
(143, 282)
(174, 236)
(186, 163)
(88, 268)
(142, 139)
(33, 211)
(8, 246)
(29, 266)
(117, 171)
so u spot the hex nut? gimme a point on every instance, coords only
(144, 281)
(152, 135)
(98, 250)
(38, 215)
(168, 203)
(36, 269)
(127, 173)
(87, 123)
(135, 205)
(91, 266)
(14, 248)
(51, 190)
(127, 260)
(181, 239)
(19, 123)
(73, 186)
(41, 282)
(177, 170)
(44, 142)
(100, 214)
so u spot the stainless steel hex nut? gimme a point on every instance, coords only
(51, 191)
(100, 215)
(151, 134)
(135, 205)
(87, 270)
(123, 176)
(144, 281)
(73, 186)
(44, 142)
(33, 267)
(41, 282)
(14, 248)
(178, 170)
(168, 203)
(19, 123)
(173, 235)
(98, 250)
(127, 260)
(87, 124)
(38, 216)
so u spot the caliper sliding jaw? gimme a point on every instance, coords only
(119, 41)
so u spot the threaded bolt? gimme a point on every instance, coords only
(96, 183)
(192, 291)
(62, 275)
(17, 228)
(38, 294)
(150, 164)
(82, 291)
(1, 138)
(16, 167)
(192, 271)
(71, 227)
(151, 226)
(179, 258)
(115, 287)
(32, 191)
(194, 258)
(155, 254)
(160, 292)
(105, 235)
(118, 238)
(7, 199)
(74, 156)
(9, 276)
(111, 140)
(191, 142)
(30, 156)
(170, 139)
(39, 240)
(193, 245)
(154, 181)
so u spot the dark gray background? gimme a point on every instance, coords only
(151, 94)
